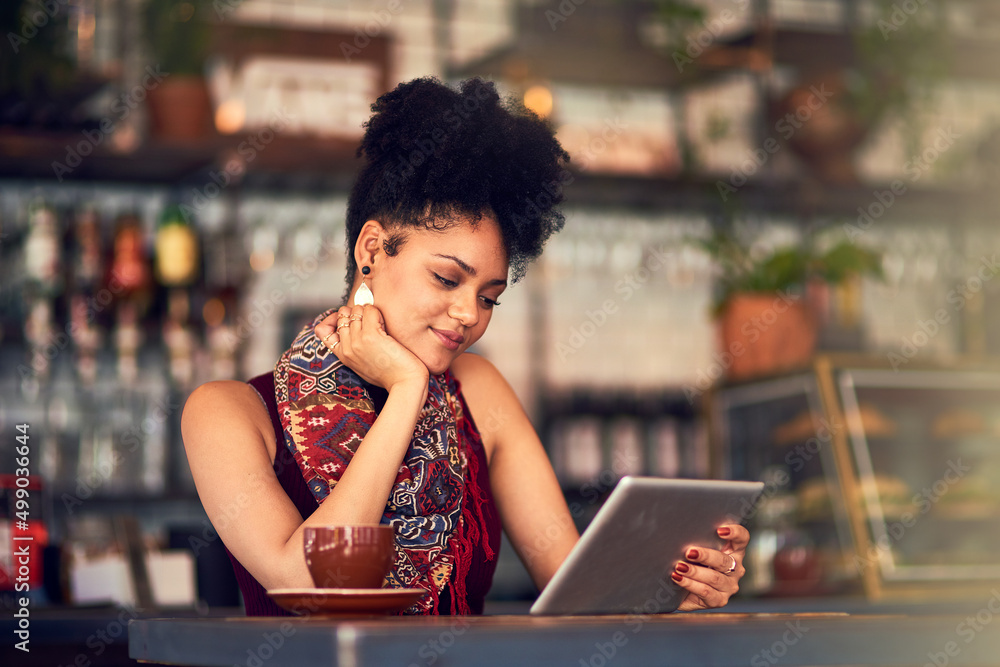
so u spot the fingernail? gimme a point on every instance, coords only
(724, 532)
(675, 576)
(683, 568)
(692, 554)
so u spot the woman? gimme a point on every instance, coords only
(457, 194)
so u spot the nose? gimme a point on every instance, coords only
(465, 309)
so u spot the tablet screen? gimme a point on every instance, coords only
(623, 561)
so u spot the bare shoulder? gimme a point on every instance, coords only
(493, 403)
(477, 374)
(221, 396)
(482, 384)
(224, 407)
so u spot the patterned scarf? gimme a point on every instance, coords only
(326, 411)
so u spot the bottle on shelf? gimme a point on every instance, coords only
(177, 253)
(87, 261)
(43, 251)
(128, 276)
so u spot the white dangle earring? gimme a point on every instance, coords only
(364, 296)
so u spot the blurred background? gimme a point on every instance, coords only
(777, 263)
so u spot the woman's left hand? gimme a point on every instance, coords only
(711, 577)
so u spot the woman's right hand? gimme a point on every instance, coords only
(357, 335)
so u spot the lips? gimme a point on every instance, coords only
(449, 339)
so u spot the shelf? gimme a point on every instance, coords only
(305, 164)
(601, 45)
(32, 154)
(591, 44)
(817, 50)
(798, 198)
(611, 403)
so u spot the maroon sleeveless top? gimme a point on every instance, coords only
(477, 582)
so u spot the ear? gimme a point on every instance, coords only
(369, 243)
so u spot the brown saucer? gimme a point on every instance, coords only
(345, 601)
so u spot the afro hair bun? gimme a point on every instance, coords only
(431, 151)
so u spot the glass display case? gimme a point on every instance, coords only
(877, 478)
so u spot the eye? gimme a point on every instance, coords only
(444, 281)
(490, 302)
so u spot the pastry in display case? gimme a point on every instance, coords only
(942, 525)
(882, 480)
(775, 431)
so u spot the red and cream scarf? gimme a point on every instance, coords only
(326, 410)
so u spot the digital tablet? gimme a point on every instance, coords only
(623, 560)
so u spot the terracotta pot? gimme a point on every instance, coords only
(180, 109)
(823, 133)
(765, 333)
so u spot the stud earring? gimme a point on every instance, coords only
(364, 296)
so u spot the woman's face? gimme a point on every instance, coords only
(438, 292)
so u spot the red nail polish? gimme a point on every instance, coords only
(692, 553)
(675, 576)
(682, 568)
(724, 532)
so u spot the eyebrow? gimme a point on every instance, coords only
(469, 269)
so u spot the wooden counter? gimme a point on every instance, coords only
(712, 638)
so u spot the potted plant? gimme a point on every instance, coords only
(770, 304)
(899, 58)
(902, 56)
(177, 36)
(899, 54)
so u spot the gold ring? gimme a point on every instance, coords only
(732, 568)
(341, 326)
(326, 338)
(355, 318)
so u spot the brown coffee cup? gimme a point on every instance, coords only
(349, 556)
